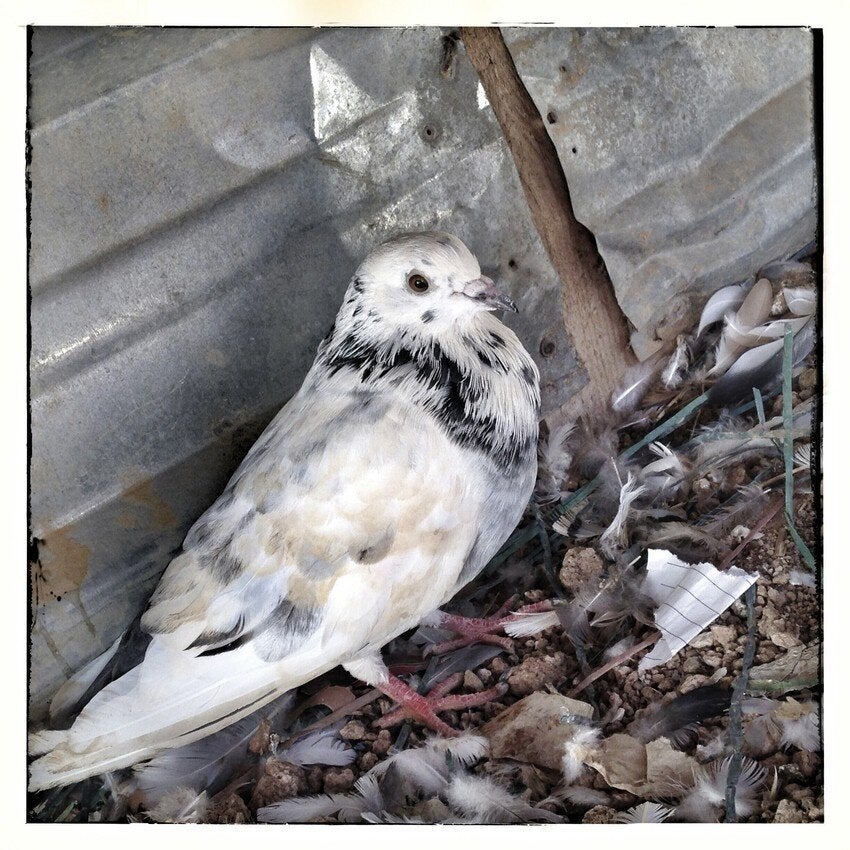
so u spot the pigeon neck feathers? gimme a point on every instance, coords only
(475, 378)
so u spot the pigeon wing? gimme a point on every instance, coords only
(350, 518)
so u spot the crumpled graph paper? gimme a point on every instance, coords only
(689, 597)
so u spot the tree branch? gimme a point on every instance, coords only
(591, 313)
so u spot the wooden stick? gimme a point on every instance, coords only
(766, 517)
(614, 662)
(591, 313)
(350, 708)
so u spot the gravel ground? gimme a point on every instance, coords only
(787, 616)
(787, 620)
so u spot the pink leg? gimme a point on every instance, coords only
(475, 630)
(425, 708)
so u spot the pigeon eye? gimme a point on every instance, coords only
(418, 283)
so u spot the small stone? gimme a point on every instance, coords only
(701, 486)
(534, 596)
(229, 809)
(735, 477)
(338, 779)
(315, 778)
(784, 640)
(484, 675)
(382, 743)
(726, 636)
(471, 682)
(808, 379)
(367, 761)
(261, 739)
(623, 799)
(778, 759)
(581, 564)
(788, 812)
(702, 641)
(712, 659)
(432, 811)
(280, 780)
(599, 783)
(599, 814)
(354, 730)
(807, 762)
(812, 809)
(533, 673)
(691, 664)
(800, 794)
(779, 305)
(692, 682)
(498, 665)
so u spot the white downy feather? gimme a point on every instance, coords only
(555, 460)
(801, 301)
(181, 805)
(753, 358)
(636, 382)
(645, 813)
(424, 768)
(801, 732)
(801, 578)
(578, 795)
(706, 800)
(754, 311)
(803, 455)
(618, 648)
(525, 625)
(755, 308)
(386, 817)
(799, 724)
(577, 750)
(726, 354)
(480, 800)
(674, 371)
(723, 301)
(306, 809)
(612, 538)
(665, 474)
(323, 747)
(349, 808)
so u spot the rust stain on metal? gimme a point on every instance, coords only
(141, 494)
(62, 566)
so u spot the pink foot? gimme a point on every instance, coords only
(475, 630)
(424, 708)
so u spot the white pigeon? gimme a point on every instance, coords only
(383, 486)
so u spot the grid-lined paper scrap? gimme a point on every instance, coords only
(689, 597)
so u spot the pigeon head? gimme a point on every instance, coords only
(424, 282)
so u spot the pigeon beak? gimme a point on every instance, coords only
(483, 289)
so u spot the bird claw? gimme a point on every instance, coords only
(481, 630)
(447, 646)
(424, 708)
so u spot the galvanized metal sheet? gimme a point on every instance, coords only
(689, 153)
(199, 201)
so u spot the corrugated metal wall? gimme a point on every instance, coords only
(200, 198)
